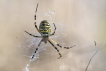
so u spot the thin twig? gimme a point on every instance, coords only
(95, 43)
(94, 55)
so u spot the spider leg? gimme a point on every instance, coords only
(36, 49)
(54, 30)
(60, 45)
(35, 19)
(55, 47)
(33, 35)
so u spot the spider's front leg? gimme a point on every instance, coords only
(36, 49)
(35, 19)
(54, 30)
(55, 48)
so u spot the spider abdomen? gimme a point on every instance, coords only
(44, 28)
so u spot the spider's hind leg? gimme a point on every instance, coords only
(54, 30)
(35, 19)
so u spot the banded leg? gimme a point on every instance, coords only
(36, 49)
(33, 35)
(54, 30)
(55, 48)
(60, 45)
(35, 19)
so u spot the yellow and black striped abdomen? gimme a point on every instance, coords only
(44, 28)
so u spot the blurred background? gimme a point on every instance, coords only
(78, 22)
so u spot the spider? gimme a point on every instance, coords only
(45, 31)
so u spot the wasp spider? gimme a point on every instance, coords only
(45, 31)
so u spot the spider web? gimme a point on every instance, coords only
(33, 42)
(85, 21)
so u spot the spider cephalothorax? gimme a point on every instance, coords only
(45, 31)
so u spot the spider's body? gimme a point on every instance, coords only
(44, 28)
(45, 31)
(44, 39)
